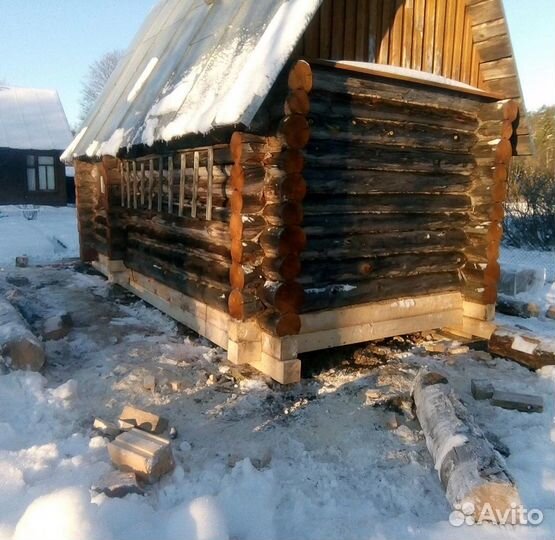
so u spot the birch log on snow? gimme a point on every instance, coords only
(469, 468)
(19, 347)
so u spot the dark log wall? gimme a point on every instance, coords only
(389, 169)
(13, 179)
(465, 40)
(159, 216)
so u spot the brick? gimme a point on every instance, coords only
(118, 484)
(481, 389)
(518, 402)
(148, 456)
(143, 420)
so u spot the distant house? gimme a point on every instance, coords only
(33, 133)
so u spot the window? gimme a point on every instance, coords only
(40, 173)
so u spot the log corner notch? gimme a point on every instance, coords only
(470, 469)
(495, 146)
(101, 235)
(266, 298)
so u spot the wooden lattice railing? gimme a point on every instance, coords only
(178, 184)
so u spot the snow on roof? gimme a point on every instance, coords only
(32, 119)
(193, 66)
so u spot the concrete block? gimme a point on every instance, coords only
(518, 402)
(143, 420)
(118, 484)
(57, 326)
(147, 455)
(481, 389)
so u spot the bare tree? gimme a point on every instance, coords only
(95, 80)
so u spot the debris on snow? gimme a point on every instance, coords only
(109, 429)
(117, 484)
(57, 326)
(22, 261)
(481, 389)
(517, 401)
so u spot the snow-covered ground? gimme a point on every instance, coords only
(50, 237)
(255, 461)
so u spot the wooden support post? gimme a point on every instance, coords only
(150, 182)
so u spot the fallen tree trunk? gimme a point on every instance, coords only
(20, 348)
(469, 468)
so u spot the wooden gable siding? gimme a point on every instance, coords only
(427, 35)
(465, 40)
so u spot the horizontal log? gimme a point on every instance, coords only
(330, 154)
(284, 268)
(404, 203)
(201, 262)
(402, 92)
(285, 297)
(315, 274)
(280, 186)
(343, 294)
(243, 306)
(241, 275)
(295, 131)
(368, 245)
(325, 104)
(246, 227)
(279, 324)
(400, 134)
(347, 224)
(279, 241)
(197, 288)
(352, 182)
(300, 76)
(297, 102)
(246, 252)
(288, 213)
(249, 148)
(208, 236)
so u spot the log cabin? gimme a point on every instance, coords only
(33, 134)
(285, 176)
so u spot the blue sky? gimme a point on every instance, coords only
(51, 43)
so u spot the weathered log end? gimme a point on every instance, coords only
(470, 469)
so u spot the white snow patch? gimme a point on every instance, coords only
(66, 514)
(142, 79)
(265, 61)
(69, 151)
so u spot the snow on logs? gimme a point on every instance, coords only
(469, 468)
(20, 348)
(263, 272)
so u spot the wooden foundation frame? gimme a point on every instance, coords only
(247, 343)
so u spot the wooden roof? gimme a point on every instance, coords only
(464, 40)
